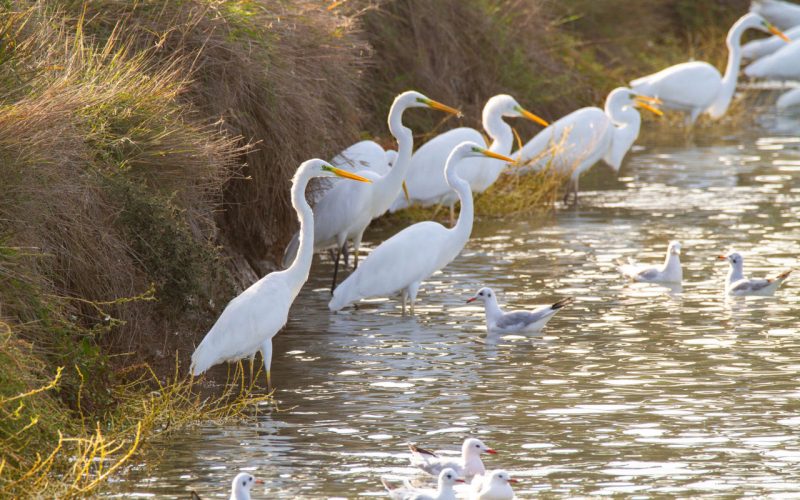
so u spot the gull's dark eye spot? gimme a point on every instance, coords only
(477, 446)
(244, 483)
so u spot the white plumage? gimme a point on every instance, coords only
(498, 321)
(757, 49)
(783, 64)
(495, 486)
(582, 138)
(250, 320)
(697, 87)
(344, 211)
(401, 263)
(426, 180)
(669, 272)
(736, 283)
(444, 491)
(788, 99)
(467, 465)
(782, 14)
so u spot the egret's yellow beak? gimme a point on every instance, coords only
(441, 107)
(405, 192)
(775, 31)
(517, 137)
(496, 156)
(344, 173)
(530, 116)
(641, 102)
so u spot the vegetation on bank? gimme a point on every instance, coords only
(145, 153)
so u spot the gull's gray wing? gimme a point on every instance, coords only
(750, 286)
(648, 274)
(521, 319)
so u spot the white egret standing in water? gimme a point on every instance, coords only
(402, 262)
(345, 211)
(582, 138)
(250, 320)
(697, 87)
(426, 180)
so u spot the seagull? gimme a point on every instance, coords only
(496, 486)
(670, 272)
(517, 321)
(447, 479)
(240, 487)
(737, 284)
(467, 465)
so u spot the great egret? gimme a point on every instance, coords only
(427, 184)
(784, 15)
(788, 99)
(241, 484)
(402, 262)
(496, 486)
(669, 272)
(469, 464)
(756, 49)
(345, 211)
(363, 155)
(250, 320)
(737, 284)
(697, 87)
(445, 491)
(783, 64)
(582, 138)
(498, 321)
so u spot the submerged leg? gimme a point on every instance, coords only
(336, 265)
(404, 294)
(266, 353)
(252, 365)
(413, 288)
(575, 192)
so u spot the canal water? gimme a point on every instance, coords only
(635, 389)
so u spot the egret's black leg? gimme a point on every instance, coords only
(336, 266)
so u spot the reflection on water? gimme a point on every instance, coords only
(634, 388)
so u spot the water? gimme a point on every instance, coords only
(636, 389)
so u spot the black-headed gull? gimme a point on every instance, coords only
(669, 272)
(467, 465)
(240, 487)
(495, 486)
(516, 321)
(737, 284)
(447, 479)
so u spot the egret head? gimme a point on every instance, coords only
(474, 447)
(413, 99)
(734, 259)
(500, 478)
(472, 150)
(240, 487)
(753, 20)
(448, 477)
(485, 295)
(507, 106)
(674, 248)
(326, 170)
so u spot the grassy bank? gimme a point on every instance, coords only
(145, 153)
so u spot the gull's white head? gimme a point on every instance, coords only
(500, 478)
(485, 295)
(734, 259)
(448, 478)
(475, 447)
(674, 248)
(240, 487)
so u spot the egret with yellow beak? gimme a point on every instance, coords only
(250, 320)
(697, 87)
(574, 143)
(401, 263)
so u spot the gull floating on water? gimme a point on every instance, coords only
(240, 487)
(495, 486)
(669, 272)
(447, 479)
(737, 284)
(516, 321)
(467, 465)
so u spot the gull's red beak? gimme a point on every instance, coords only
(460, 481)
(471, 299)
(512, 480)
(491, 451)
(722, 257)
(258, 481)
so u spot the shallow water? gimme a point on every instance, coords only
(635, 389)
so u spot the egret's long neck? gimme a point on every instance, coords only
(731, 76)
(499, 131)
(388, 187)
(298, 271)
(463, 227)
(627, 123)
